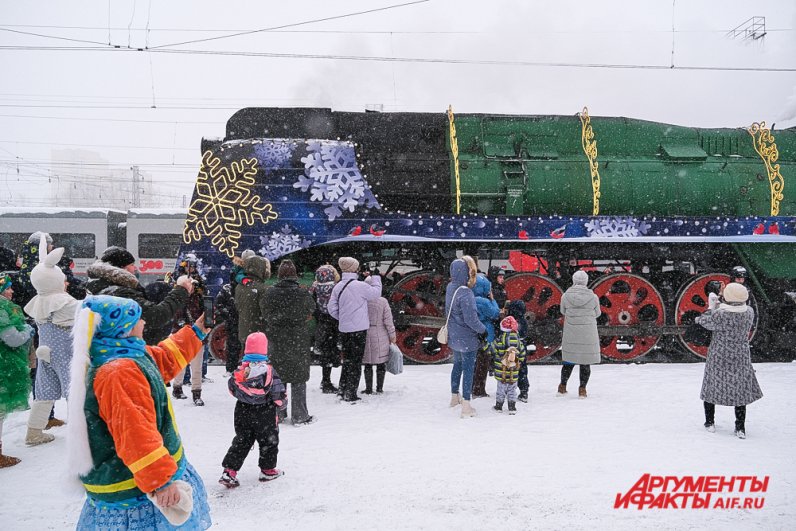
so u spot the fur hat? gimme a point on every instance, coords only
(348, 264)
(580, 278)
(509, 324)
(736, 293)
(256, 343)
(248, 253)
(117, 257)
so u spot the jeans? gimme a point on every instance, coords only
(462, 371)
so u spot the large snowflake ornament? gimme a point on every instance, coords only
(616, 227)
(283, 242)
(332, 177)
(275, 153)
(224, 202)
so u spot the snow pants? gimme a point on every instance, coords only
(506, 391)
(254, 423)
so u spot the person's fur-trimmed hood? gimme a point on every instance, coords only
(113, 275)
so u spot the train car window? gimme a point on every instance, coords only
(13, 240)
(159, 245)
(76, 245)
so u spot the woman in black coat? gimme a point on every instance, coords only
(286, 308)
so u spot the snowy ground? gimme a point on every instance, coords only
(404, 460)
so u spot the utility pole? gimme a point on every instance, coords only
(136, 191)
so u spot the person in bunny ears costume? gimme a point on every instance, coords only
(54, 312)
(123, 441)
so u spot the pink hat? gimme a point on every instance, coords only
(256, 343)
(508, 324)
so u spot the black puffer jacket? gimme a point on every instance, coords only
(109, 280)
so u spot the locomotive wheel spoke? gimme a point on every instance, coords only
(542, 298)
(421, 293)
(693, 302)
(628, 300)
(218, 342)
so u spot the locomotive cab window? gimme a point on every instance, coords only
(159, 245)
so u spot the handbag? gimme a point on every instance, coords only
(395, 363)
(442, 335)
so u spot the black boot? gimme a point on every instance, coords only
(381, 371)
(327, 387)
(368, 369)
(523, 396)
(177, 393)
(512, 408)
(499, 406)
(197, 398)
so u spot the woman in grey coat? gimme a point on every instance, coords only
(580, 344)
(729, 377)
(377, 344)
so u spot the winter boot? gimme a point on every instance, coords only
(710, 427)
(582, 392)
(6, 460)
(523, 396)
(308, 420)
(229, 478)
(741, 434)
(368, 370)
(512, 408)
(456, 399)
(328, 388)
(381, 371)
(37, 421)
(35, 437)
(351, 398)
(467, 409)
(270, 474)
(499, 406)
(197, 398)
(177, 393)
(54, 423)
(562, 389)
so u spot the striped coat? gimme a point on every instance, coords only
(498, 348)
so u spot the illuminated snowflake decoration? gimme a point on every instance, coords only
(275, 154)
(224, 203)
(616, 227)
(332, 177)
(280, 243)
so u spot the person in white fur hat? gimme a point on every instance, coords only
(729, 376)
(54, 311)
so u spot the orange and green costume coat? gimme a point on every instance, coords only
(135, 444)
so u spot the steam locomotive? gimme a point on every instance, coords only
(655, 213)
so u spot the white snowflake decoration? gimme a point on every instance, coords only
(274, 154)
(616, 227)
(332, 177)
(280, 243)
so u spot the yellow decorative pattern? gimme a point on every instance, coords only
(455, 153)
(590, 149)
(224, 202)
(764, 144)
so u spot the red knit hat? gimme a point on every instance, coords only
(509, 324)
(256, 343)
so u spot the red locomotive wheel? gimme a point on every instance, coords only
(628, 300)
(542, 299)
(691, 303)
(421, 294)
(218, 342)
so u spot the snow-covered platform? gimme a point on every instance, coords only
(404, 460)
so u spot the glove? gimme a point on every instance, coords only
(43, 353)
(482, 337)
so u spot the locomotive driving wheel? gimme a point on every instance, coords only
(419, 294)
(628, 300)
(217, 342)
(542, 298)
(691, 303)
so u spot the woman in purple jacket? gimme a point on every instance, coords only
(464, 330)
(348, 303)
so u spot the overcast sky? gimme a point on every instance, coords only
(101, 99)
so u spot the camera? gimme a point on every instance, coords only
(207, 304)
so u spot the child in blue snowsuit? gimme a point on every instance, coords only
(488, 312)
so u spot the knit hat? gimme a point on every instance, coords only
(348, 264)
(248, 253)
(36, 236)
(117, 257)
(117, 315)
(736, 293)
(508, 324)
(5, 281)
(256, 343)
(580, 278)
(287, 269)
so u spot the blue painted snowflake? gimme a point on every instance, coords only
(332, 177)
(278, 244)
(616, 227)
(275, 153)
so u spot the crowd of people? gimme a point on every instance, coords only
(108, 345)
